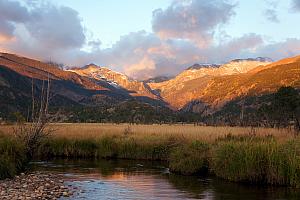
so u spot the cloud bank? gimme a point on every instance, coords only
(183, 34)
(195, 20)
(40, 29)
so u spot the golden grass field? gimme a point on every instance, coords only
(186, 131)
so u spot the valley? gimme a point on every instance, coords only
(198, 94)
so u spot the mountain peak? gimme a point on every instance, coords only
(115, 79)
(200, 66)
(157, 79)
(91, 65)
(258, 59)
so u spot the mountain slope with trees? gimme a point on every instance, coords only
(237, 93)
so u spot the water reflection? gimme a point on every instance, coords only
(120, 179)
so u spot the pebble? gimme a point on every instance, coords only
(37, 185)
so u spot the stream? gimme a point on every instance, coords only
(125, 179)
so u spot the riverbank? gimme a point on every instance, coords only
(37, 185)
(257, 156)
(247, 158)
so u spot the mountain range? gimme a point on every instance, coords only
(202, 88)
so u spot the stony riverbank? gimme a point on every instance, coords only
(37, 185)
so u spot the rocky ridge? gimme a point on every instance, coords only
(116, 79)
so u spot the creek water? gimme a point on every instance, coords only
(123, 179)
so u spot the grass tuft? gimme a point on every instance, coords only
(257, 160)
(190, 159)
(12, 157)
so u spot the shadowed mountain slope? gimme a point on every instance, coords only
(199, 88)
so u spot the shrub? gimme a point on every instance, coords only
(258, 160)
(190, 158)
(12, 157)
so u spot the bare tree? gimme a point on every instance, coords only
(36, 130)
(242, 113)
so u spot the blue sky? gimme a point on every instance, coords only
(152, 37)
(250, 18)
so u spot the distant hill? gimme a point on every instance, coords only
(203, 66)
(68, 88)
(192, 83)
(200, 91)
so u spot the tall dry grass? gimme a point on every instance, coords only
(187, 131)
(260, 155)
(12, 156)
(257, 160)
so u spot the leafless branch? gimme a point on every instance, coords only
(34, 132)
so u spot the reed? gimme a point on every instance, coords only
(257, 160)
(124, 147)
(12, 157)
(189, 159)
(260, 156)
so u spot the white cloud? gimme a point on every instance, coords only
(10, 14)
(56, 27)
(192, 19)
(287, 48)
(271, 15)
(271, 11)
(39, 30)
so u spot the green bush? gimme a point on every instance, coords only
(190, 158)
(12, 157)
(286, 164)
(263, 161)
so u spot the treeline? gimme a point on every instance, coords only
(130, 112)
(278, 110)
(284, 109)
(281, 109)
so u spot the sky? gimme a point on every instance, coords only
(149, 38)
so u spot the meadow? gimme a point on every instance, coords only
(252, 155)
(186, 131)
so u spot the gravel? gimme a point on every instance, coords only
(37, 185)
